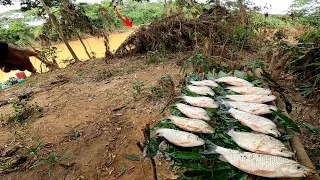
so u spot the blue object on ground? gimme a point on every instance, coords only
(21, 80)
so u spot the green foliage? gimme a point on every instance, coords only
(275, 21)
(52, 161)
(21, 34)
(285, 138)
(73, 133)
(156, 56)
(286, 121)
(137, 86)
(24, 111)
(132, 157)
(199, 63)
(49, 53)
(153, 146)
(242, 36)
(163, 124)
(311, 128)
(34, 150)
(186, 155)
(123, 169)
(223, 74)
(253, 64)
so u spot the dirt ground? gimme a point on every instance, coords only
(97, 100)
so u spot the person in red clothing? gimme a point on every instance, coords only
(15, 58)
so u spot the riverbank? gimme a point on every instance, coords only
(93, 44)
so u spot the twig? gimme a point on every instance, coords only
(143, 148)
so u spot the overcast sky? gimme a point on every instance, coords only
(277, 6)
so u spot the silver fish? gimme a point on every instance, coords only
(193, 112)
(180, 138)
(249, 90)
(256, 123)
(260, 164)
(205, 83)
(193, 125)
(235, 81)
(255, 98)
(259, 143)
(253, 108)
(202, 90)
(205, 102)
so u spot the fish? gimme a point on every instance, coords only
(192, 125)
(255, 122)
(205, 83)
(259, 143)
(180, 138)
(253, 108)
(259, 164)
(235, 81)
(193, 112)
(202, 90)
(254, 98)
(205, 102)
(249, 90)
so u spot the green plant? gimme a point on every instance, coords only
(156, 57)
(24, 111)
(49, 53)
(73, 133)
(253, 64)
(242, 36)
(52, 161)
(34, 150)
(136, 86)
(199, 62)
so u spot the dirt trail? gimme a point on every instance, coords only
(98, 101)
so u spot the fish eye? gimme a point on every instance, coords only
(299, 167)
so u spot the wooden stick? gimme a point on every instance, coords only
(143, 147)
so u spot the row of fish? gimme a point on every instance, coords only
(264, 158)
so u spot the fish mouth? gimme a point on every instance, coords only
(309, 172)
(276, 133)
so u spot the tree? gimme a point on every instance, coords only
(76, 20)
(57, 26)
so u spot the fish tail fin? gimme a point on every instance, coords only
(230, 128)
(219, 100)
(224, 106)
(211, 148)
